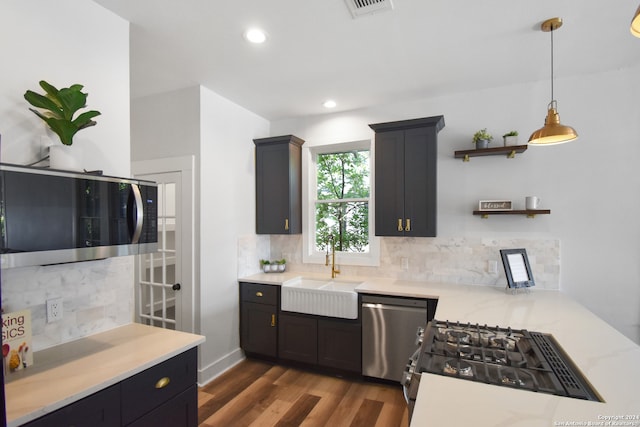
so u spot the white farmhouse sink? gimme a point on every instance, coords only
(332, 298)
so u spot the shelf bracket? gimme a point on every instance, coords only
(466, 158)
(531, 215)
(512, 154)
(485, 216)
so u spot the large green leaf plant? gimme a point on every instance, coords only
(61, 105)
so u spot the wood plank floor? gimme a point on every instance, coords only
(260, 394)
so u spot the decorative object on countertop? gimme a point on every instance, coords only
(482, 138)
(277, 266)
(16, 341)
(517, 268)
(495, 205)
(510, 138)
(552, 132)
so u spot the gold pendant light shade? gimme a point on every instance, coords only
(635, 24)
(553, 132)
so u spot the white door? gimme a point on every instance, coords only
(164, 279)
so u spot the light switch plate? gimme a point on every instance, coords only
(54, 309)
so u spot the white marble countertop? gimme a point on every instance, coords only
(69, 372)
(609, 360)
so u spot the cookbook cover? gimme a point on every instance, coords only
(16, 341)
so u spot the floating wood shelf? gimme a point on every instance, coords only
(509, 151)
(530, 213)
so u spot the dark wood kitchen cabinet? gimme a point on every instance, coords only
(165, 394)
(326, 342)
(279, 185)
(259, 319)
(406, 177)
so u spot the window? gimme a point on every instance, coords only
(338, 204)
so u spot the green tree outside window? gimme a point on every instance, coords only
(342, 204)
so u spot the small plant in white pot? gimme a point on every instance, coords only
(482, 138)
(510, 138)
(281, 264)
(61, 105)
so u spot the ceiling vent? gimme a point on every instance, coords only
(360, 8)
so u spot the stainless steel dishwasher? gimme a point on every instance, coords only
(389, 327)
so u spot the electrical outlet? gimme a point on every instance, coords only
(54, 309)
(492, 267)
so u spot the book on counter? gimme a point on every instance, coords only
(17, 353)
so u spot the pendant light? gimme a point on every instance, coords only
(635, 24)
(552, 132)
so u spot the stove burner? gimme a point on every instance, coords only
(509, 377)
(459, 368)
(455, 336)
(503, 342)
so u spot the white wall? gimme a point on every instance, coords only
(227, 212)
(219, 133)
(38, 41)
(590, 185)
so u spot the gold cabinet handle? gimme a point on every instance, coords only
(400, 224)
(273, 320)
(258, 294)
(163, 382)
(286, 223)
(408, 227)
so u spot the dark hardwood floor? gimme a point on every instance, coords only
(260, 394)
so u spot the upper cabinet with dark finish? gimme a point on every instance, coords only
(406, 155)
(279, 185)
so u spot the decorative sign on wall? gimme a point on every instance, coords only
(495, 205)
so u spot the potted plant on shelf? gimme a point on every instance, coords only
(482, 138)
(265, 265)
(510, 138)
(60, 107)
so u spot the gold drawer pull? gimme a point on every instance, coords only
(408, 227)
(273, 320)
(258, 294)
(163, 382)
(400, 224)
(286, 224)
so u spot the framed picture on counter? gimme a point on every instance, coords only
(517, 268)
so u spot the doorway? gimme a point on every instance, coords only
(164, 281)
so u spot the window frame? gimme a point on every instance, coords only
(309, 191)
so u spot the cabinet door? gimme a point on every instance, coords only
(339, 344)
(420, 182)
(150, 388)
(181, 411)
(272, 189)
(298, 338)
(101, 409)
(258, 328)
(279, 185)
(389, 179)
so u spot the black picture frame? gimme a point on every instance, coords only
(517, 268)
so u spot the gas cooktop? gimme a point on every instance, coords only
(501, 356)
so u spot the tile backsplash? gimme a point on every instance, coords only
(97, 295)
(462, 260)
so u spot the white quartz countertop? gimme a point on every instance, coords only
(609, 360)
(69, 372)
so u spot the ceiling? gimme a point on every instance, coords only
(315, 50)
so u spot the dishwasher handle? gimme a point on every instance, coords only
(379, 306)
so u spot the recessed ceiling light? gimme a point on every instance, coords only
(255, 35)
(329, 103)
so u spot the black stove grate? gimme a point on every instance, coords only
(564, 369)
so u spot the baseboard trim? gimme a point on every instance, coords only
(219, 367)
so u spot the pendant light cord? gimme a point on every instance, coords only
(552, 64)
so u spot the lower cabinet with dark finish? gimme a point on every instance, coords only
(326, 342)
(163, 395)
(259, 319)
(101, 409)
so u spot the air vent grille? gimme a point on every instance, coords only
(360, 8)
